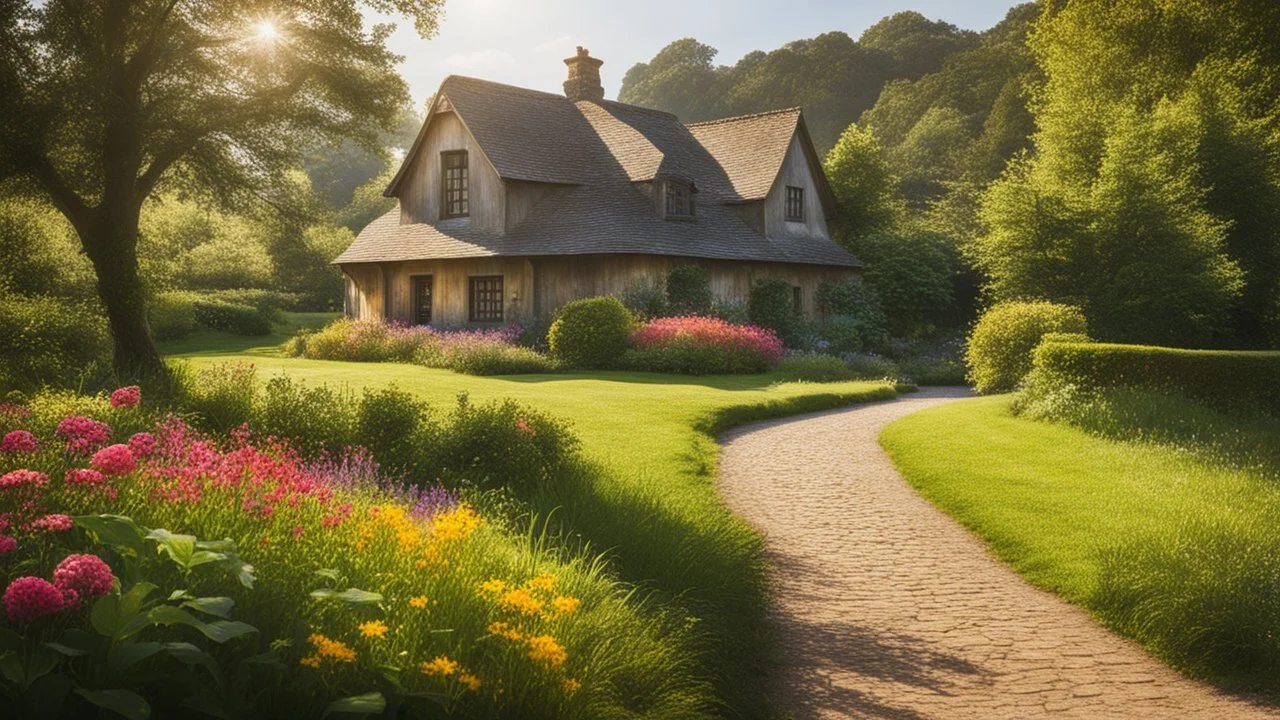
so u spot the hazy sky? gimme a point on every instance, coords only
(522, 42)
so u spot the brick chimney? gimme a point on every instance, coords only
(584, 77)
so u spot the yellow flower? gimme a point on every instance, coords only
(543, 582)
(521, 601)
(332, 648)
(545, 649)
(311, 661)
(565, 605)
(373, 628)
(502, 629)
(418, 602)
(471, 681)
(455, 526)
(493, 587)
(439, 665)
(572, 686)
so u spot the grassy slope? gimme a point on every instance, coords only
(653, 505)
(1047, 497)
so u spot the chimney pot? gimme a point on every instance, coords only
(584, 77)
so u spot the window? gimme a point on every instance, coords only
(486, 298)
(795, 204)
(797, 299)
(454, 187)
(679, 199)
(422, 286)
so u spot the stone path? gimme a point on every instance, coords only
(887, 608)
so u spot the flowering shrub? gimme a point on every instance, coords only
(19, 441)
(30, 598)
(703, 346)
(83, 435)
(81, 577)
(126, 397)
(114, 460)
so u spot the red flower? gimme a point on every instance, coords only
(19, 441)
(83, 434)
(52, 523)
(114, 460)
(80, 577)
(297, 531)
(7, 544)
(142, 444)
(23, 478)
(29, 598)
(126, 397)
(83, 476)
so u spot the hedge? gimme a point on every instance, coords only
(1235, 380)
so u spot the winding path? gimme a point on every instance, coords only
(887, 608)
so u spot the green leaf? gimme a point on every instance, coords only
(354, 596)
(189, 654)
(180, 548)
(10, 640)
(219, 606)
(115, 530)
(206, 706)
(219, 631)
(328, 573)
(12, 670)
(367, 704)
(42, 662)
(128, 704)
(123, 655)
(118, 616)
(66, 650)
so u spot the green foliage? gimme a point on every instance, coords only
(303, 257)
(220, 397)
(925, 370)
(1000, 348)
(853, 319)
(687, 356)
(503, 444)
(46, 340)
(913, 273)
(865, 188)
(815, 368)
(647, 299)
(397, 428)
(40, 251)
(1241, 381)
(592, 333)
(237, 318)
(771, 304)
(495, 358)
(869, 366)
(312, 417)
(172, 315)
(689, 290)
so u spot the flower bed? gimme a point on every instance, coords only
(698, 345)
(235, 573)
(485, 351)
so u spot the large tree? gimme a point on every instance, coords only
(108, 101)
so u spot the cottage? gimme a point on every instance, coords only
(512, 202)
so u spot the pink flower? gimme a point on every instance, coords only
(524, 427)
(29, 598)
(19, 441)
(52, 523)
(7, 544)
(142, 444)
(80, 577)
(114, 460)
(297, 531)
(126, 397)
(23, 478)
(83, 434)
(83, 476)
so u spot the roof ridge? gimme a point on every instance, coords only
(525, 90)
(639, 108)
(748, 116)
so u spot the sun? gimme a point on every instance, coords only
(266, 31)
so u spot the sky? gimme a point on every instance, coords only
(523, 42)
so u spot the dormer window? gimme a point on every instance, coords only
(679, 198)
(795, 204)
(455, 193)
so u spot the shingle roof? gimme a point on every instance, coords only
(595, 152)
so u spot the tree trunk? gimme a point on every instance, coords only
(112, 246)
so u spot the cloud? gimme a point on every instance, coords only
(480, 60)
(564, 43)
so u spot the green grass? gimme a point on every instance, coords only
(216, 342)
(1164, 545)
(650, 500)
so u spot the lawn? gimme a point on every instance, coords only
(1161, 544)
(651, 502)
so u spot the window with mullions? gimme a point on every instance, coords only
(486, 298)
(795, 204)
(454, 186)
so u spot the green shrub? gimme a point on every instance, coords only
(731, 311)
(397, 428)
(313, 418)
(172, 315)
(1244, 381)
(925, 370)
(771, 304)
(1001, 344)
(647, 299)
(231, 317)
(503, 444)
(687, 356)
(495, 359)
(220, 397)
(868, 366)
(815, 368)
(689, 289)
(854, 320)
(592, 333)
(46, 340)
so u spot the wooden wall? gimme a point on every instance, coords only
(450, 288)
(796, 173)
(420, 191)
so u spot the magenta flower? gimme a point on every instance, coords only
(19, 441)
(23, 478)
(7, 544)
(126, 397)
(114, 460)
(52, 523)
(83, 476)
(142, 444)
(710, 331)
(30, 598)
(83, 434)
(82, 577)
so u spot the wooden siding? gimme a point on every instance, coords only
(796, 173)
(536, 287)
(521, 197)
(420, 191)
